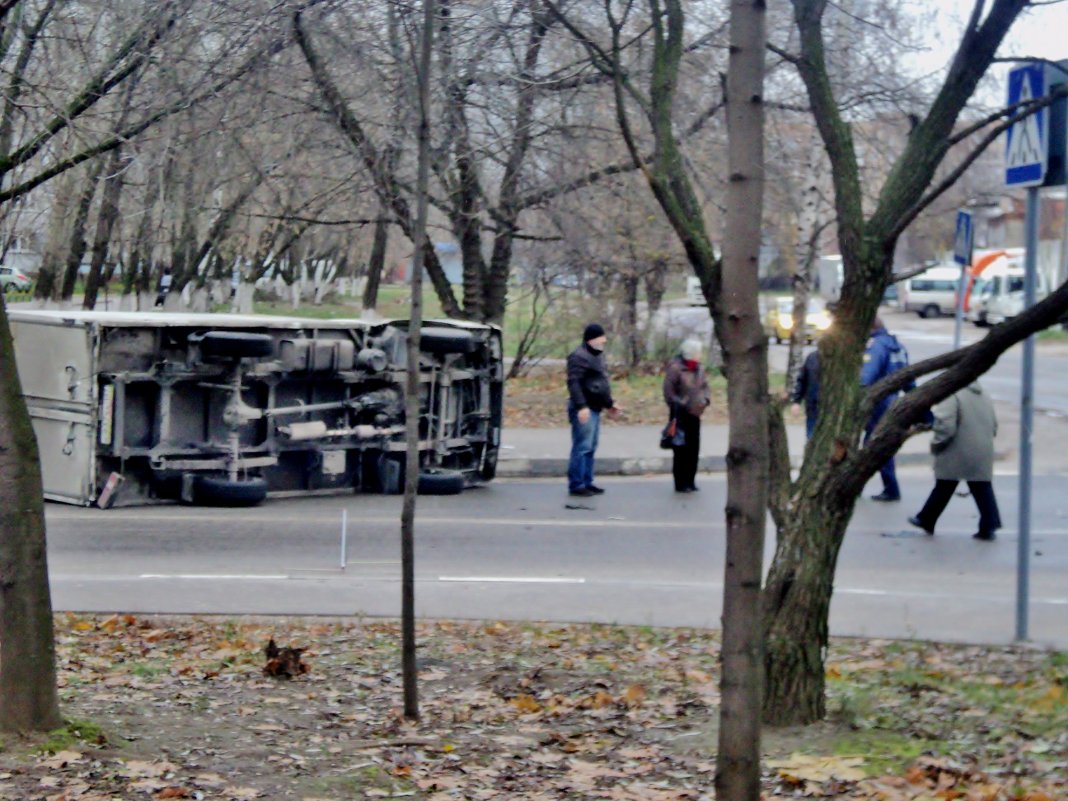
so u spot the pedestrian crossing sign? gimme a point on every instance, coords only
(1027, 144)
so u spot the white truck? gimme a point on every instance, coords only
(218, 409)
(829, 277)
(998, 292)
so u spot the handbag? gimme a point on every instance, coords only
(672, 436)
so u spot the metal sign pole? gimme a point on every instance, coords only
(958, 323)
(1027, 151)
(962, 254)
(1023, 554)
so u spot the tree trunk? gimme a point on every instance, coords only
(630, 282)
(386, 185)
(509, 205)
(107, 216)
(655, 279)
(28, 698)
(377, 262)
(738, 756)
(412, 384)
(797, 600)
(808, 232)
(56, 240)
(77, 246)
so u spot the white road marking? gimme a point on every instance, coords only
(513, 579)
(215, 576)
(577, 522)
(1005, 597)
(940, 595)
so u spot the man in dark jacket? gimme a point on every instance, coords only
(589, 393)
(807, 390)
(884, 355)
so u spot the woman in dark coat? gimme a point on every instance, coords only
(687, 396)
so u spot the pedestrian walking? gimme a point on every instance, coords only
(807, 390)
(165, 281)
(687, 396)
(883, 356)
(963, 446)
(589, 394)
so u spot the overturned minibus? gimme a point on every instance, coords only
(214, 409)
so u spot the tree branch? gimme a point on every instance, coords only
(961, 367)
(1027, 109)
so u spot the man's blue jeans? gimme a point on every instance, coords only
(886, 471)
(583, 446)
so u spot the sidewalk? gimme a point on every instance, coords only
(635, 450)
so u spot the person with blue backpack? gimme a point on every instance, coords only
(883, 356)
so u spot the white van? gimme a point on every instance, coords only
(694, 295)
(932, 292)
(998, 292)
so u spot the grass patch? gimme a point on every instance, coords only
(539, 399)
(146, 670)
(1055, 333)
(357, 782)
(76, 732)
(325, 311)
(883, 751)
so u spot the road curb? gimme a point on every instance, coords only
(651, 465)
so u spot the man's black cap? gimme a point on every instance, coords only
(593, 330)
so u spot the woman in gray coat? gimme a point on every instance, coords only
(963, 445)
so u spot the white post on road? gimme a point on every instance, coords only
(344, 537)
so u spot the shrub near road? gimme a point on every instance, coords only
(180, 708)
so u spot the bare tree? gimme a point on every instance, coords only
(35, 146)
(813, 520)
(412, 392)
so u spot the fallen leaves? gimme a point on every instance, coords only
(524, 711)
(803, 769)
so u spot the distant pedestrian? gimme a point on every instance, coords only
(165, 282)
(883, 356)
(964, 428)
(687, 396)
(807, 390)
(589, 393)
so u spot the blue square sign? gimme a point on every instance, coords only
(962, 241)
(1027, 145)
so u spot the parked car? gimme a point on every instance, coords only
(779, 320)
(13, 279)
(220, 409)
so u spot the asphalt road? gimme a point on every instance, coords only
(638, 555)
(926, 338)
